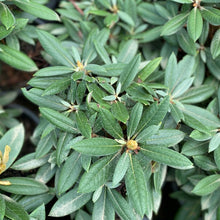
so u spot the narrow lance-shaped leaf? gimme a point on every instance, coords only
(54, 48)
(215, 45)
(83, 124)
(212, 15)
(166, 137)
(24, 186)
(129, 73)
(136, 186)
(6, 16)
(16, 59)
(149, 68)
(97, 175)
(195, 24)
(120, 111)
(97, 146)
(69, 202)
(121, 206)
(69, 173)
(110, 124)
(215, 142)
(174, 24)
(135, 117)
(166, 156)
(14, 210)
(103, 209)
(34, 9)
(207, 185)
(121, 168)
(2, 207)
(58, 119)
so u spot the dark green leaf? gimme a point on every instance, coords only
(110, 124)
(121, 206)
(97, 175)
(174, 24)
(69, 173)
(69, 202)
(97, 146)
(195, 24)
(16, 59)
(34, 9)
(2, 207)
(134, 120)
(24, 186)
(129, 73)
(167, 156)
(207, 185)
(121, 168)
(61, 121)
(6, 16)
(54, 71)
(136, 186)
(54, 48)
(83, 124)
(120, 112)
(212, 15)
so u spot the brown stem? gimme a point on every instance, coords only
(77, 7)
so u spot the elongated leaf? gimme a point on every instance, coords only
(110, 124)
(103, 209)
(194, 24)
(134, 120)
(2, 207)
(128, 51)
(14, 138)
(83, 124)
(69, 173)
(6, 16)
(58, 119)
(97, 146)
(136, 186)
(24, 186)
(14, 210)
(129, 73)
(149, 68)
(120, 112)
(39, 213)
(98, 175)
(174, 24)
(34, 8)
(69, 203)
(121, 168)
(53, 102)
(215, 45)
(126, 18)
(212, 15)
(147, 133)
(186, 43)
(54, 71)
(166, 137)
(121, 206)
(197, 94)
(182, 87)
(16, 59)
(102, 52)
(54, 48)
(166, 156)
(207, 185)
(154, 114)
(171, 72)
(29, 162)
(203, 116)
(215, 142)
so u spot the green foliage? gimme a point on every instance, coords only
(130, 100)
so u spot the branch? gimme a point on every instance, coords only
(77, 7)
